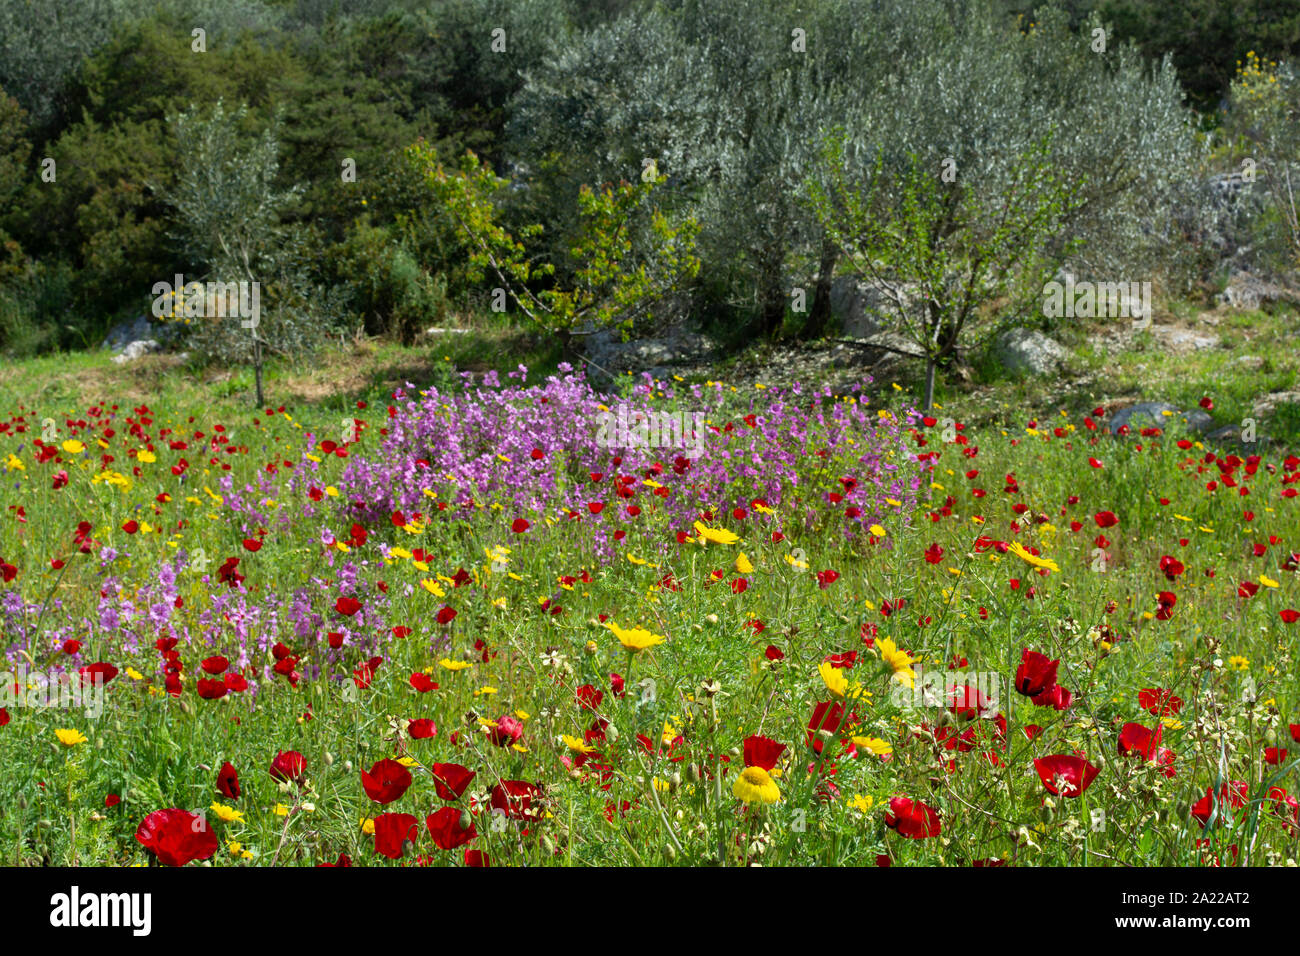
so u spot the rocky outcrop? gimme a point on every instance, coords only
(608, 356)
(1246, 291)
(140, 336)
(1152, 414)
(1028, 352)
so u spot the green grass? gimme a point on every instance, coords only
(1231, 660)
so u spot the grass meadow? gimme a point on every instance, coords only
(451, 625)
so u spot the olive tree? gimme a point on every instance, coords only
(228, 219)
(1122, 132)
(940, 251)
(730, 98)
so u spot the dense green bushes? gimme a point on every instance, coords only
(731, 99)
(352, 83)
(384, 283)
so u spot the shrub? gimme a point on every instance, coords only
(1264, 115)
(381, 281)
(626, 252)
(949, 248)
(37, 311)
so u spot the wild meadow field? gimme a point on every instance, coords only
(640, 433)
(464, 626)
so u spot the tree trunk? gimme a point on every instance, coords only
(257, 369)
(815, 327)
(929, 383)
(771, 305)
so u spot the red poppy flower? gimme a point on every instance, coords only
(347, 606)
(934, 554)
(211, 688)
(826, 718)
(588, 697)
(386, 781)
(515, 799)
(1165, 602)
(215, 665)
(1171, 567)
(422, 728)
(476, 858)
(1077, 773)
(1232, 794)
(423, 682)
(1285, 806)
(1105, 519)
(446, 615)
(100, 673)
(968, 702)
(1295, 732)
(1138, 738)
(1036, 674)
(226, 574)
(176, 836)
(1159, 702)
(1056, 697)
(228, 781)
(762, 752)
(843, 661)
(450, 780)
(912, 819)
(392, 831)
(506, 731)
(288, 766)
(826, 578)
(111, 800)
(450, 827)
(364, 674)
(252, 544)
(519, 526)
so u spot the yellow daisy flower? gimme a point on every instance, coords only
(1023, 554)
(755, 785)
(715, 535)
(227, 814)
(636, 638)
